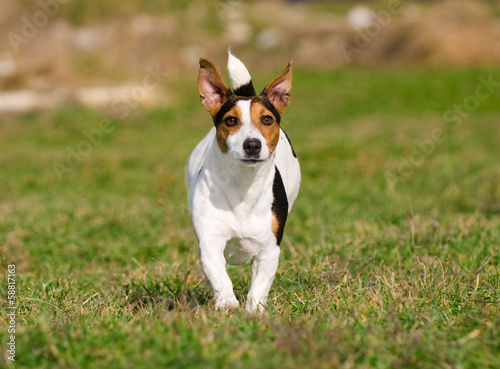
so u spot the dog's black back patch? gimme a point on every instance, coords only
(280, 205)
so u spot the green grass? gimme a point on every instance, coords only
(372, 274)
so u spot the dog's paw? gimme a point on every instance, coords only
(255, 306)
(225, 303)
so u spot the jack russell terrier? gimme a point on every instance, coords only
(243, 178)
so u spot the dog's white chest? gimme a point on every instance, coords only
(246, 221)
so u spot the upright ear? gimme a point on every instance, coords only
(278, 91)
(213, 90)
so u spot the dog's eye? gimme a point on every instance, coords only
(267, 120)
(231, 121)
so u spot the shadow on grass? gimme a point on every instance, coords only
(169, 294)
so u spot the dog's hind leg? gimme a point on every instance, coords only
(264, 268)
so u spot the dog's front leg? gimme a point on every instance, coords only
(213, 264)
(264, 268)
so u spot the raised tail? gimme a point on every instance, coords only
(241, 82)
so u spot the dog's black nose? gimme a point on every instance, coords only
(252, 146)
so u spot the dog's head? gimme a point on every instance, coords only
(247, 124)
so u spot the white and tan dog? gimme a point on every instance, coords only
(243, 179)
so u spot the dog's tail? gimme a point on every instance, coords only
(241, 82)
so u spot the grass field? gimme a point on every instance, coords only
(390, 258)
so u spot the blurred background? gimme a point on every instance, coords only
(66, 52)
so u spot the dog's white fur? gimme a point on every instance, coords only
(231, 203)
(238, 73)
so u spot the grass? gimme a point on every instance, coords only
(372, 274)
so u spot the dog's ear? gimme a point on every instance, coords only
(278, 91)
(213, 91)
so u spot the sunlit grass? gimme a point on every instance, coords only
(371, 275)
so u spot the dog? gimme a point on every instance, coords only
(243, 179)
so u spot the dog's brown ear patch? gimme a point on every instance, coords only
(278, 91)
(213, 91)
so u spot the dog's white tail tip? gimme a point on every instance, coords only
(238, 73)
